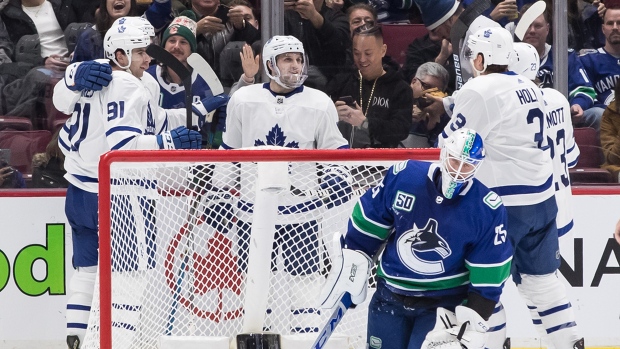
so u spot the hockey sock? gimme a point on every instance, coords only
(497, 328)
(82, 287)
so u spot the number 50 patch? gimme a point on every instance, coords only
(404, 201)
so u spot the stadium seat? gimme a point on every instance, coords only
(588, 169)
(23, 145)
(15, 123)
(397, 37)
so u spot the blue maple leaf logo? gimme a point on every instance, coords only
(276, 137)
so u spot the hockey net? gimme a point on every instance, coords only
(175, 241)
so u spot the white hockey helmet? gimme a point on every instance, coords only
(461, 155)
(276, 46)
(495, 44)
(525, 60)
(126, 38)
(138, 22)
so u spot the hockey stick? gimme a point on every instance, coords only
(166, 58)
(537, 9)
(341, 308)
(205, 71)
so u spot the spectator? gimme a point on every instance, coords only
(423, 50)
(48, 19)
(610, 135)
(250, 64)
(428, 115)
(502, 11)
(48, 168)
(217, 26)
(363, 14)
(380, 115)
(324, 34)
(180, 40)
(602, 65)
(90, 43)
(592, 17)
(6, 46)
(10, 178)
(581, 93)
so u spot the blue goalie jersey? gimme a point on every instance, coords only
(435, 246)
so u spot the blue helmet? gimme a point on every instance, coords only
(461, 155)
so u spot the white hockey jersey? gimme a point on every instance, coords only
(508, 112)
(564, 153)
(123, 115)
(303, 119)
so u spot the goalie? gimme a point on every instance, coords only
(446, 250)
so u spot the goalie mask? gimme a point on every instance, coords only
(494, 44)
(126, 38)
(525, 60)
(277, 46)
(461, 156)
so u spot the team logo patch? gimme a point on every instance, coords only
(375, 342)
(423, 249)
(492, 200)
(399, 167)
(404, 201)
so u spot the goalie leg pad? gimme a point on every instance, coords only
(548, 296)
(82, 286)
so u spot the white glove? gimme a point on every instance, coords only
(349, 273)
(465, 329)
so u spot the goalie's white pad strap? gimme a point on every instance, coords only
(350, 272)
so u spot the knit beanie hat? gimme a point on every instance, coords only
(183, 26)
(435, 12)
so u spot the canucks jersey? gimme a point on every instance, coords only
(172, 95)
(604, 70)
(123, 115)
(435, 246)
(564, 154)
(507, 111)
(580, 90)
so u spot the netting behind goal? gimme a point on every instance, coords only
(217, 243)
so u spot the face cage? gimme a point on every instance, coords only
(457, 174)
(291, 80)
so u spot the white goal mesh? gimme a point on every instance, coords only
(175, 247)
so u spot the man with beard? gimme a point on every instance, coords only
(602, 64)
(180, 40)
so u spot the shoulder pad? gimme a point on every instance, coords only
(585, 51)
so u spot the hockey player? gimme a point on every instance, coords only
(285, 113)
(123, 115)
(445, 249)
(564, 155)
(508, 111)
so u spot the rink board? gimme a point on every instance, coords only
(35, 269)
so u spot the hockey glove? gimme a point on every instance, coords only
(464, 330)
(180, 138)
(88, 75)
(335, 182)
(349, 273)
(206, 108)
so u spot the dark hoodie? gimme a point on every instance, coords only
(389, 115)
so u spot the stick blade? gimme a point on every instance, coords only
(206, 72)
(537, 9)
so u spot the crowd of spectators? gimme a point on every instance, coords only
(343, 44)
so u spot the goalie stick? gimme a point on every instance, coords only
(166, 58)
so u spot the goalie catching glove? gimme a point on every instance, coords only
(349, 273)
(336, 182)
(464, 330)
(206, 108)
(88, 75)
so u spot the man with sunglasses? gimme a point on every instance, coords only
(380, 114)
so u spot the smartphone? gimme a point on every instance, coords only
(348, 100)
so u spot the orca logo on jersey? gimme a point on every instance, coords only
(423, 250)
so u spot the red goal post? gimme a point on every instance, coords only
(172, 176)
